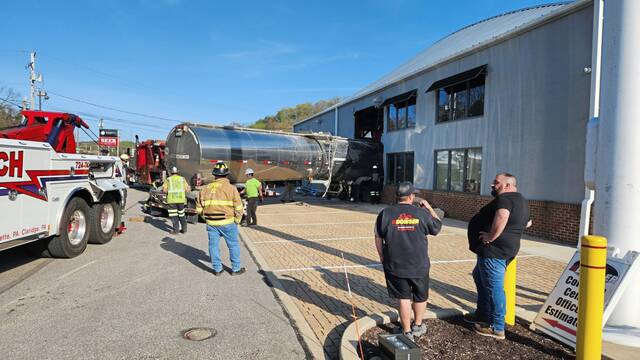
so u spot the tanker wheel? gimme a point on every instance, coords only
(105, 218)
(74, 230)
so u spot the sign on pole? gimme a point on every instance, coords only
(108, 138)
(558, 317)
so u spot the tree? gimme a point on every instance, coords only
(285, 118)
(9, 112)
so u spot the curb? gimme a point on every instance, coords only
(306, 336)
(349, 341)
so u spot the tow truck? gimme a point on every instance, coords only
(51, 194)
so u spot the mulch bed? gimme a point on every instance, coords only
(452, 338)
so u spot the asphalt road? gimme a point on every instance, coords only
(133, 298)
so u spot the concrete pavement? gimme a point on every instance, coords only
(133, 297)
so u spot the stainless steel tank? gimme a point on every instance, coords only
(194, 149)
(274, 156)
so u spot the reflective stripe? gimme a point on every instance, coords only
(240, 207)
(218, 203)
(220, 222)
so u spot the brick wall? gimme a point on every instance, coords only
(551, 220)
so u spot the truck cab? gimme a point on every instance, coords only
(55, 128)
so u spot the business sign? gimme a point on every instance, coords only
(108, 138)
(558, 317)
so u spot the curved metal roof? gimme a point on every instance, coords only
(463, 41)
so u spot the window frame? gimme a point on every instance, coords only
(465, 172)
(402, 155)
(451, 101)
(404, 104)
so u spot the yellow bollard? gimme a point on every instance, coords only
(593, 267)
(510, 293)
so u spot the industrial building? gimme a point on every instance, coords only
(507, 94)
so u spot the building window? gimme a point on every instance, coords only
(461, 101)
(460, 96)
(399, 167)
(458, 170)
(401, 111)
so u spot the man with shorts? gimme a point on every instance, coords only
(401, 240)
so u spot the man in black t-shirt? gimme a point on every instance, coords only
(494, 235)
(401, 240)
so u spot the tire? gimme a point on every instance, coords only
(74, 230)
(105, 219)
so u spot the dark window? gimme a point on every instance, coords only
(401, 114)
(399, 167)
(392, 118)
(458, 170)
(461, 101)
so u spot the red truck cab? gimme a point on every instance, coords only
(55, 128)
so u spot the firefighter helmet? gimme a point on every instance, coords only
(220, 169)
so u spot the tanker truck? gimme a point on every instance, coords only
(331, 162)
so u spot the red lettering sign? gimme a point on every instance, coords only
(15, 160)
(108, 141)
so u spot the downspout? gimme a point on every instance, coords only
(335, 122)
(591, 145)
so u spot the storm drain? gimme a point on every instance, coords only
(199, 334)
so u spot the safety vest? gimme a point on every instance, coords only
(176, 192)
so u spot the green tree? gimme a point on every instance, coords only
(285, 118)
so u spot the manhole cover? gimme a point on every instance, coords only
(199, 334)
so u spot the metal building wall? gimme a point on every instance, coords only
(536, 108)
(321, 123)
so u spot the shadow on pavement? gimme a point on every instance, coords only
(193, 255)
(160, 224)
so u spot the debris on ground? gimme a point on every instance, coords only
(452, 338)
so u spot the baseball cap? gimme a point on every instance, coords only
(405, 188)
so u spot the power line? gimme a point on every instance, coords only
(116, 109)
(11, 102)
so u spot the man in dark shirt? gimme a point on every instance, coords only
(494, 235)
(401, 240)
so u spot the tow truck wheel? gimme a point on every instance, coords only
(74, 230)
(105, 218)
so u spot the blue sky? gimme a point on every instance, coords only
(216, 62)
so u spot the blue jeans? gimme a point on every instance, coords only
(230, 235)
(489, 278)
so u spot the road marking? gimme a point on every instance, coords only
(374, 265)
(333, 223)
(314, 240)
(76, 270)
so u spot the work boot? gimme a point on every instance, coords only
(217, 273)
(474, 318)
(418, 330)
(489, 331)
(239, 272)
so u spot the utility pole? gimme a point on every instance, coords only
(617, 176)
(42, 94)
(33, 78)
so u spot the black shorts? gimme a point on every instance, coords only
(405, 288)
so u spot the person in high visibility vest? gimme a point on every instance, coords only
(220, 205)
(176, 188)
(253, 189)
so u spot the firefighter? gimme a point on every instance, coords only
(176, 188)
(253, 188)
(220, 205)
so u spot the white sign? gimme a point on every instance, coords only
(558, 317)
